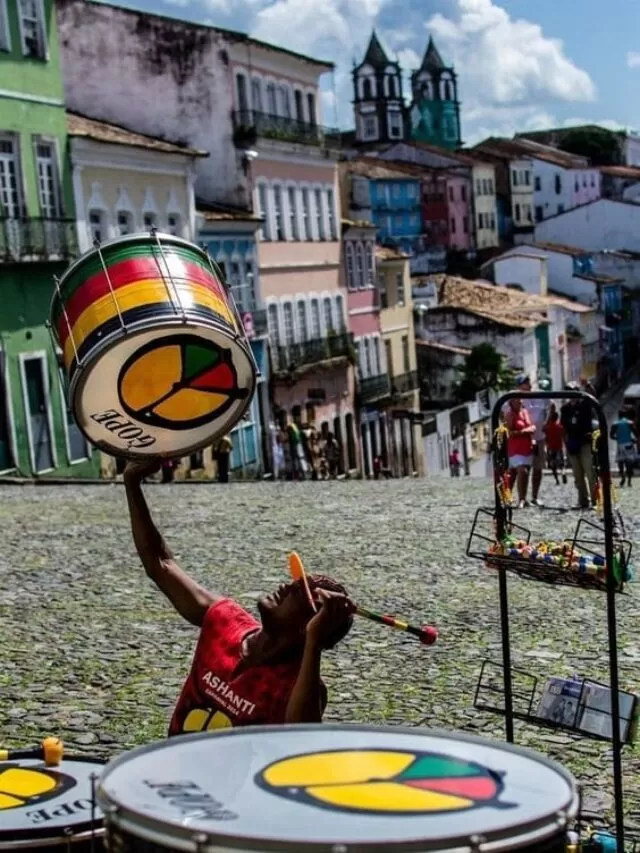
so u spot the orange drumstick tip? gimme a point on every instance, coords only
(52, 749)
(296, 569)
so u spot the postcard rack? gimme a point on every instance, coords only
(596, 558)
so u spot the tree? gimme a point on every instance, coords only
(483, 368)
(601, 146)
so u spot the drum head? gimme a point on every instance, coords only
(163, 391)
(313, 787)
(38, 802)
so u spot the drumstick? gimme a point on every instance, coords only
(427, 634)
(50, 750)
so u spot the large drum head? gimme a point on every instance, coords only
(311, 788)
(39, 803)
(163, 391)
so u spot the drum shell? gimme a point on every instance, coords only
(142, 288)
(82, 833)
(133, 829)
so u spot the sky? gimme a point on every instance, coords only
(521, 65)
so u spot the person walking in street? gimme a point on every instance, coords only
(520, 446)
(537, 409)
(554, 434)
(222, 453)
(624, 434)
(454, 462)
(576, 418)
(332, 451)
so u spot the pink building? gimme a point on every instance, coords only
(292, 165)
(460, 216)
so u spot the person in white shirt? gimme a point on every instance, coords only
(538, 410)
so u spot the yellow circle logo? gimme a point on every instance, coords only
(29, 786)
(179, 383)
(389, 782)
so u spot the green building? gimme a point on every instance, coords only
(435, 110)
(37, 241)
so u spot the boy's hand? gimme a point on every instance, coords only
(335, 610)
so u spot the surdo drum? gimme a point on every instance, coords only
(335, 789)
(154, 353)
(50, 808)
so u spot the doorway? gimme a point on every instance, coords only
(35, 390)
(7, 462)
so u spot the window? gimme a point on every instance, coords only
(388, 354)
(360, 276)
(395, 191)
(125, 222)
(311, 106)
(328, 313)
(5, 44)
(293, 213)
(382, 290)
(370, 264)
(367, 90)
(377, 365)
(558, 183)
(256, 95)
(463, 192)
(331, 215)
(297, 97)
(241, 89)
(314, 312)
(491, 186)
(529, 214)
(306, 216)
(263, 211)
(405, 354)
(517, 211)
(272, 324)
(150, 220)
(593, 180)
(339, 306)
(561, 208)
(272, 106)
(303, 331)
(319, 216)
(287, 323)
(465, 224)
(96, 225)
(284, 101)
(350, 265)
(451, 194)
(48, 184)
(527, 178)
(369, 127)
(539, 213)
(481, 220)
(277, 213)
(485, 186)
(537, 183)
(173, 224)
(514, 178)
(479, 186)
(366, 347)
(577, 185)
(400, 288)
(453, 225)
(492, 221)
(32, 28)
(395, 125)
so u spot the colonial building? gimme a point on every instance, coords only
(402, 440)
(435, 109)
(38, 435)
(515, 188)
(378, 98)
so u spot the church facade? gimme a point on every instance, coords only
(383, 117)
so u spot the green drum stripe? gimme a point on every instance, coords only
(439, 767)
(93, 265)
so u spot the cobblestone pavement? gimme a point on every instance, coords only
(92, 652)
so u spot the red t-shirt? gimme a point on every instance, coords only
(519, 445)
(212, 696)
(555, 435)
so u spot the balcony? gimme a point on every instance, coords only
(405, 383)
(374, 388)
(250, 126)
(37, 239)
(296, 358)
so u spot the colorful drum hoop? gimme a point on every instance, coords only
(46, 807)
(154, 352)
(327, 788)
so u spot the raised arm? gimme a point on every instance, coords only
(190, 599)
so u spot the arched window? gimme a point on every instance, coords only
(448, 90)
(125, 222)
(314, 311)
(367, 92)
(351, 284)
(328, 314)
(303, 330)
(366, 357)
(339, 306)
(360, 277)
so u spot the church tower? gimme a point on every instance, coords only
(378, 102)
(435, 109)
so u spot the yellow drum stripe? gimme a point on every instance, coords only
(336, 768)
(137, 295)
(387, 797)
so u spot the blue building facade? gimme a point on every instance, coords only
(231, 241)
(397, 212)
(613, 334)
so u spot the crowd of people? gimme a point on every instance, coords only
(301, 452)
(540, 435)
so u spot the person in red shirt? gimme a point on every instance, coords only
(519, 446)
(244, 671)
(554, 433)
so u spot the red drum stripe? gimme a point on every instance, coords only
(128, 272)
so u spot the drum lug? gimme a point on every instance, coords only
(339, 848)
(476, 842)
(200, 839)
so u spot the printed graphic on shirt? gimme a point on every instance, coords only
(225, 696)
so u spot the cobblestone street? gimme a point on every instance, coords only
(93, 653)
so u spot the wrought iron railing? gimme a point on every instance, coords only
(293, 356)
(37, 239)
(250, 123)
(405, 382)
(374, 388)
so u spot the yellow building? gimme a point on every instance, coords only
(396, 325)
(485, 211)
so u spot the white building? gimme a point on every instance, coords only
(601, 224)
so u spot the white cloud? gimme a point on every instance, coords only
(633, 59)
(502, 60)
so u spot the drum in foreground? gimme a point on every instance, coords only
(335, 789)
(154, 352)
(43, 808)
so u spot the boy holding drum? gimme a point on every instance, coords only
(244, 672)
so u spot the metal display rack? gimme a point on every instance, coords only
(491, 527)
